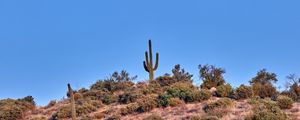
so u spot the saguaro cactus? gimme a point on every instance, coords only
(148, 64)
(73, 110)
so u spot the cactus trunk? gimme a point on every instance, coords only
(148, 64)
(72, 100)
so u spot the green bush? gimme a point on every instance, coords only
(224, 90)
(147, 103)
(267, 110)
(153, 117)
(163, 100)
(244, 92)
(182, 90)
(187, 92)
(284, 102)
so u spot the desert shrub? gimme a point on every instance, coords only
(77, 96)
(51, 104)
(244, 92)
(205, 94)
(117, 81)
(105, 97)
(224, 90)
(94, 94)
(211, 76)
(130, 108)
(153, 117)
(197, 95)
(154, 88)
(205, 117)
(129, 97)
(284, 102)
(182, 90)
(11, 113)
(114, 117)
(195, 117)
(264, 90)
(63, 112)
(99, 115)
(83, 107)
(39, 118)
(254, 100)
(267, 110)
(208, 117)
(147, 103)
(109, 98)
(187, 92)
(11, 109)
(165, 80)
(221, 103)
(175, 102)
(163, 100)
(28, 99)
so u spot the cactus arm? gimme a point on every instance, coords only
(156, 62)
(147, 59)
(145, 66)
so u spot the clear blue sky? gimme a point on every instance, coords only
(45, 44)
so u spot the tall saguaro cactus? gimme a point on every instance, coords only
(73, 110)
(148, 64)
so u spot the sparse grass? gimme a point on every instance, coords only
(153, 117)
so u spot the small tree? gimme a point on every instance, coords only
(211, 76)
(180, 74)
(117, 81)
(264, 77)
(293, 87)
(262, 84)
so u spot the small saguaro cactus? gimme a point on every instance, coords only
(148, 64)
(72, 100)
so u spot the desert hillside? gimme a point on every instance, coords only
(168, 97)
